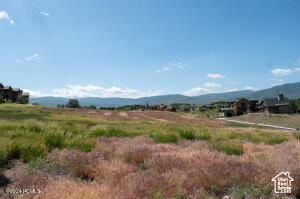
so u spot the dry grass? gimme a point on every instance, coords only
(292, 121)
(139, 167)
(186, 170)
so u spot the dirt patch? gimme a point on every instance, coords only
(148, 115)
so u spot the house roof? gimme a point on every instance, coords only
(7, 87)
(275, 101)
(16, 89)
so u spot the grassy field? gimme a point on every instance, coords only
(69, 153)
(285, 120)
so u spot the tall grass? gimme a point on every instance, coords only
(228, 147)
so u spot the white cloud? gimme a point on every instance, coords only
(179, 65)
(158, 71)
(166, 68)
(27, 59)
(45, 14)
(281, 72)
(232, 90)
(284, 72)
(78, 91)
(212, 85)
(4, 15)
(196, 91)
(215, 76)
(249, 88)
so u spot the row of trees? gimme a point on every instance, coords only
(294, 106)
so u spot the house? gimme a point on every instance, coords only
(238, 107)
(283, 183)
(7, 94)
(25, 98)
(14, 95)
(275, 105)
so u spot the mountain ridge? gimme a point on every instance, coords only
(290, 90)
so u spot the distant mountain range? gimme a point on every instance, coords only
(290, 90)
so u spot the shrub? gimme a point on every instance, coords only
(165, 137)
(228, 147)
(32, 152)
(83, 145)
(189, 134)
(15, 151)
(203, 134)
(54, 140)
(3, 157)
(297, 135)
(98, 132)
(277, 139)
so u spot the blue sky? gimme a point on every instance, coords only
(134, 48)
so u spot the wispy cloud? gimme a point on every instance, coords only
(215, 76)
(178, 65)
(4, 15)
(78, 91)
(284, 71)
(281, 72)
(212, 85)
(45, 14)
(196, 91)
(27, 59)
(171, 65)
(249, 88)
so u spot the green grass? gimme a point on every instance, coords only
(297, 135)
(228, 147)
(54, 140)
(241, 192)
(28, 132)
(165, 137)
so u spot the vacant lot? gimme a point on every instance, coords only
(292, 121)
(109, 154)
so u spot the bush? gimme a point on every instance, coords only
(189, 134)
(297, 135)
(165, 137)
(54, 140)
(32, 152)
(228, 147)
(15, 151)
(82, 145)
(98, 133)
(203, 134)
(277, 140)
(3, 157)
(113, 133)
